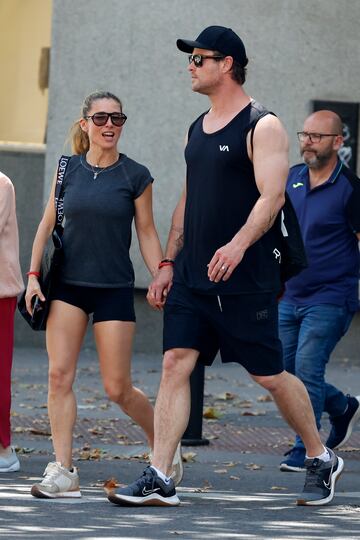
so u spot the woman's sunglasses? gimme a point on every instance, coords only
(100, 118)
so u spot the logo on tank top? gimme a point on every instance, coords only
(224, 148)
(277, 255)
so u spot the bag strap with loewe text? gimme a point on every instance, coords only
(37, 320)
(59, 190)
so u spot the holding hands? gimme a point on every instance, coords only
(160, 285)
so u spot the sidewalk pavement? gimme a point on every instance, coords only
(232, 489)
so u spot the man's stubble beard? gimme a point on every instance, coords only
(318, 160)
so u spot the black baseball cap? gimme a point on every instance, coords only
(217, 38)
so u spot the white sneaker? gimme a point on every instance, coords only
(9, 463)
(178, 469)
(58, 482)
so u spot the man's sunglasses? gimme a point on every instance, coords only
(198, 58)
(101, 118)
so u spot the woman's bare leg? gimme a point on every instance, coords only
(114, 344)
(65, 330)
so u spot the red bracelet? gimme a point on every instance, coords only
(31, 273)
(165, 263)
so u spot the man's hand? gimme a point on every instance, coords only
(160, 287)
(224, 261)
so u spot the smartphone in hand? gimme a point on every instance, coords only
(37, 305)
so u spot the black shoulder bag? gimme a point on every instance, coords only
(51, 258)
(292, 250)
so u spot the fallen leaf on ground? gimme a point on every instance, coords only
(253, 467)
(144, 455)
(210, 437)
(253, 413)
(20, 429)
(206, 487)
(220, 471)
(211, 413)
(245, 403)
(86, 406)
(105, 406)
(226, 396)
(110, 483)
(24, 450)
(265, 398)
(95, 453)
(37, 431)
(188, 457)
(234, 477)
(96, 431)
(278, 488)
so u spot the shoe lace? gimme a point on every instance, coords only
(50, 472)
(147, 477)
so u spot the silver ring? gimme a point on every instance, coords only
(223, 267)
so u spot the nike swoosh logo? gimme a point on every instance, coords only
(149, 491)
(298, 184)
(328, 484)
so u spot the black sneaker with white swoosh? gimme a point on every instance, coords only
(321, 476)
(148, 490)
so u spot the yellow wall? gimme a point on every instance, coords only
(25, 27)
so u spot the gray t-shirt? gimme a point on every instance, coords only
(98, 217)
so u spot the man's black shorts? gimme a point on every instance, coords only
(243, 327)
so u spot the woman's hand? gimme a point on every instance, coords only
(33, 289)
(160, 287)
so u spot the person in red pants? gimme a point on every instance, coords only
(11, 284)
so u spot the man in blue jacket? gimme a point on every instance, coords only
(319, 303)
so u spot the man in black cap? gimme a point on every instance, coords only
(220, 277)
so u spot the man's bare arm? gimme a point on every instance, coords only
(176, 234)
(162, 282)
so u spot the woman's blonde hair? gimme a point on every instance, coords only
(79, 139)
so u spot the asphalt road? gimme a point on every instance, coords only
(232, 489)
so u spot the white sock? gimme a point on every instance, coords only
(325, 456)
(163, 476)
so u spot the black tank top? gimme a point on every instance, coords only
(221, 192)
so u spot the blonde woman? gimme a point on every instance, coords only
(104, 190)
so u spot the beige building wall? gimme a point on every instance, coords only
(25, 28)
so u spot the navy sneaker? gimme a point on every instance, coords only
(295, 462)
(148, 490)
(321, 476)
(343, 425)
